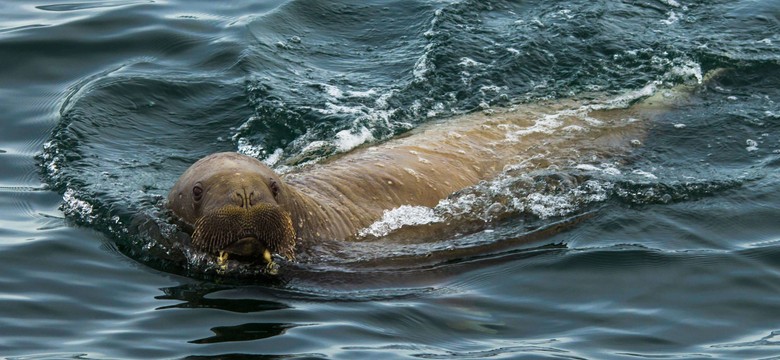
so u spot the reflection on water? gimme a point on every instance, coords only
(208, 296)
(197, 296)
(245, 332)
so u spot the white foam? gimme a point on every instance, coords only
(549, 123)
(361, 94)
(672, 19)
(645, 174)
(51, 160)
(565, 13)
(246, 148)
(381, 101)
(53, 168)
(608, 169)
(75, 206)
(314, 145)
(587, 167)
(422, 67)
(546, 124)
(333, 91)
(274, 158)
(241, 128)
(468, 62)
(611, 170)
(624, 100)
(575, 129)
(347, 140)
(458, 206)
(752, 145)
(404, 215)
(333, 109)
(490, 88)
(545, 206)
(687, 70)
(671, 3)
(423, 64)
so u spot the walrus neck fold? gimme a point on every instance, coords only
(315, 218)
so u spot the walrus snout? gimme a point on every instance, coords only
(246, 232)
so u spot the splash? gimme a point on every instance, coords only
(274, 158)
(394, 219)
(540, 195)
(752, 145)
(347, 140)
(75, 207)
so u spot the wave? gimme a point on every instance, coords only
(305, 81)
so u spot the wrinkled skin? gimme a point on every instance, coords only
(221, 179)
(232, 203)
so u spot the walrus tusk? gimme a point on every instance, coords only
(222, 261)
(271, 268)
(245, 232)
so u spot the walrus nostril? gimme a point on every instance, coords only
(242, 200)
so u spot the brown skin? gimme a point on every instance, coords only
(225, 198)
(336, 198)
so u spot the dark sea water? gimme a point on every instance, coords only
(671, 254)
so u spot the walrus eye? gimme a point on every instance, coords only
(197, 192)
(274, 188)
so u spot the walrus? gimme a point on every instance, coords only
(239, 207)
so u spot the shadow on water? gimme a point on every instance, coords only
(245, 332)
(195, 296)
(238, 356)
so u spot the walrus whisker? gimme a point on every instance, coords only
(215, 231)
(229, 225)
(273, 227)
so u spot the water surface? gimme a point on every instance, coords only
(670, 252)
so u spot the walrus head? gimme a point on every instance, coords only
(232, 202)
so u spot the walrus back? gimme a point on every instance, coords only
(443, 157)
(431, 162)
